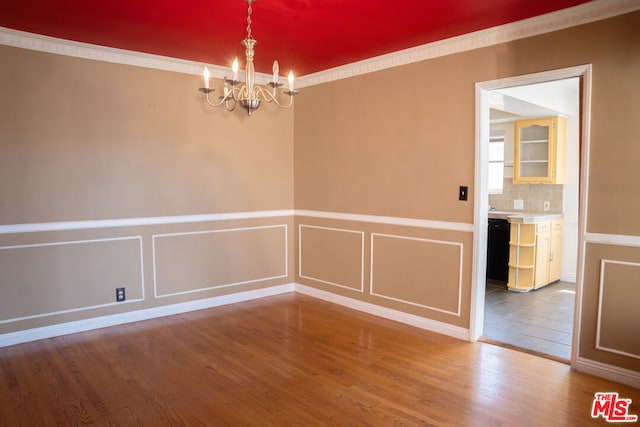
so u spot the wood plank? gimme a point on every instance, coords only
(286, 360)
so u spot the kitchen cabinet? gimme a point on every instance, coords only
(542, 255)
(555, 261)
(535, 255)
(539, 151)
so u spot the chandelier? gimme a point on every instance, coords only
(249, 95)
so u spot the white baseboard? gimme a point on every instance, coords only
(387, 313)
(602, 370)
(613, 373)
(568, 277)
(19, 337)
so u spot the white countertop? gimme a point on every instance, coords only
(525, 217)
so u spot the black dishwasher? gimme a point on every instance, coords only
(498, 249)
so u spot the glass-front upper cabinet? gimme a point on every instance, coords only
(539, 152)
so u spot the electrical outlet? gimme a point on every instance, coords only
(120, 295)
(547, 206)
(518, 204)
(463, 193)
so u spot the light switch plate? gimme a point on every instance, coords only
(518, 204)
(463, 193)
(546, 206)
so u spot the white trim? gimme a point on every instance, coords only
(443, 242)
(74, 310)
(585, 153)
(613, 373)
(533, 78)
(19, 337)
(361, 290)
(480, 215)
(135, 222)
(612, 239)
(609, 372)
(392, 220)
(38, 42)
(481, 200)
(224, 285)
(566, 18)
(387, 313)
(603, 263)
(578, 15)
(182, 219)
(69, 242)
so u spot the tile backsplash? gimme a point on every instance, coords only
(533, 195)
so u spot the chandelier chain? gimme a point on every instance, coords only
(249, 11)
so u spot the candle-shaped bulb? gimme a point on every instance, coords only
(290, 80)
(276, 71)
(206, 76)
(234, 68)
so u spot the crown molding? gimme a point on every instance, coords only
(24, 40)
(578, 15)
(582, 14)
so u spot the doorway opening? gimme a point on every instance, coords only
(531, 147)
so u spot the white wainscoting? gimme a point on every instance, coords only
(602, 317)
(136, 240)
(212, 234)
(458, 272)
(359, 260)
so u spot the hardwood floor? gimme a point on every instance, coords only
(287, 360)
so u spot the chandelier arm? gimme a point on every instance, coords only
(271, 97)
(233, 105)
(243, 92)
(229, 101)
(266, 95)
(213, 104)
(235, 93)
(279, 104)
(285, 105)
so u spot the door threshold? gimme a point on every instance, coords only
(524, 350)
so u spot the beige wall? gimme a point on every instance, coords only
(92, 140)
(84, 140)
(399, 143)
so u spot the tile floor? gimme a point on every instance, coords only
(540, 320)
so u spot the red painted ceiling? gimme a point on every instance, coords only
(304, 35)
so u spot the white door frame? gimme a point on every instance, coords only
(481, 192)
